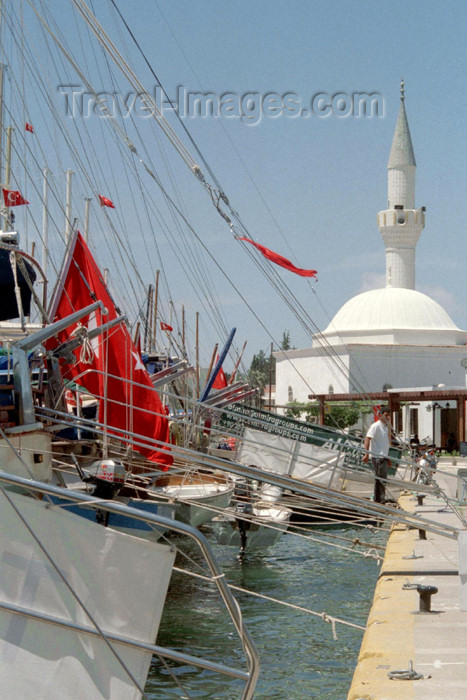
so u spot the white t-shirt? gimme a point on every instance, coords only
(379, 439)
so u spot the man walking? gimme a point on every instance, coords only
(377, 442)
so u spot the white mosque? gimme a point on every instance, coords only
(393, 337)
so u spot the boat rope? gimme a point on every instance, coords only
(293, 606)
(19, 302)
(86, 355)
(185, 696)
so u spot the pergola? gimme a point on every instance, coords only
(394, 397)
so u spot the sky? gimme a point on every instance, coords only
(306, 186)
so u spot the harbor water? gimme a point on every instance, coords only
(300, 658)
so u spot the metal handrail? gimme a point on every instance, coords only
(304, 488)
(251, 653)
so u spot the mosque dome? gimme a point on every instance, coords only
(393, 315)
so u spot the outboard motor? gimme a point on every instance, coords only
(242, 493)
(108, 479)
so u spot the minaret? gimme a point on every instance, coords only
(401, 224)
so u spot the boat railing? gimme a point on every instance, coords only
(249, 676)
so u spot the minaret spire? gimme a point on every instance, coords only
(401, 224)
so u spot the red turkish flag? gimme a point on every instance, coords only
(166, 327)
(220, 381)
(29, 127)
(116, 375)
(105, 202)
(280, 260)
(13, 198)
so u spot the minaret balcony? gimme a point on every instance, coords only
(395, 218)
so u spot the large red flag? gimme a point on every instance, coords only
(13, 198)
(280, 260)
(115, 373)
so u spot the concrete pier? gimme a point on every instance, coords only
(430, 646)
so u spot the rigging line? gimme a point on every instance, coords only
(271, 599)
(226, 133)
(201, 262)
(117, 141)
(77, 156)
(206, 278)
(155, 112)
(101, 104)
(219, 196)
(110, 47)
(151, 69)
(131, 146)
(271, 273)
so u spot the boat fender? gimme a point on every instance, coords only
(175, 433)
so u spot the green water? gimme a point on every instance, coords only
(299, 657)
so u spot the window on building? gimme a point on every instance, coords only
(290, 394)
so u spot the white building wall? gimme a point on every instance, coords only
(304, 372)
(408, 366)
(372, 367)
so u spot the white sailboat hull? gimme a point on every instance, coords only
(42, 653)
(196, 502)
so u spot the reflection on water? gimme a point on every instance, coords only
(299, 657)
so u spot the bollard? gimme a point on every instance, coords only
(425, 593)
(420, 499)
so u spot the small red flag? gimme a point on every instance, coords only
(13, 198)
(166, 327)
(105, 202)
(29, 127)
(280, 260)
(220, 382)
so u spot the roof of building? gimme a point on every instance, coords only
(402, 152)
(377, 315)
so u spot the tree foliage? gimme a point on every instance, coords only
(285, 342)
(338, 416)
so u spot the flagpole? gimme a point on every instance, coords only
(57, 292)
(6, 218)
(68, 227)
(270, 378)
(156, 302)
(211, 364)
(86, 218)
(147, 331)
(135, 340)
(197, 354)
(183, 330)
(45, 221)
(237, 364)
(216, 369)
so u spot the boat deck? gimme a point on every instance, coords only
(400, 637)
